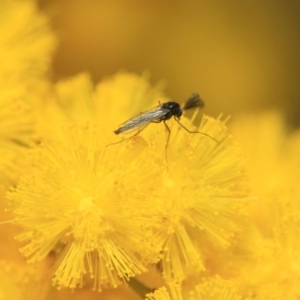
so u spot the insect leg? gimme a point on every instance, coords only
(189, 131)
(167, 143)
(169, 133)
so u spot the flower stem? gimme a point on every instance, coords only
(139, 287)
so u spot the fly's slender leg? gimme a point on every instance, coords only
(168, 138)
(167, 143)
(177, 120)
(169, 133)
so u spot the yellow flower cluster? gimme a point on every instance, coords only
(111, 210)
(167, 213)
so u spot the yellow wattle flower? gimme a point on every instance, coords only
(200, 196)
(109, 210)
(80, 200)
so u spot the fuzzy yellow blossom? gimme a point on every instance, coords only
(271, 250)
(200, 197)
(109, 210)
(26, 44)
(81, 201)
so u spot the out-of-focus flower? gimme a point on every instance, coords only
(26, 43)
(262, 136)
(109, 210)
(112, 101)
(270, 268)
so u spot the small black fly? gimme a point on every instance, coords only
(162, 113)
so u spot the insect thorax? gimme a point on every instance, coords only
(174, 110)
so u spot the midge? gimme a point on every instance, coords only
(162, 113)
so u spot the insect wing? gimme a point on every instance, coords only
(143, 119)
(194, 101)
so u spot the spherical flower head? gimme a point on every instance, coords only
(200, 196)
(172, 192)
(81, 200)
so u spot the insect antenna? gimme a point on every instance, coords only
(194, 101)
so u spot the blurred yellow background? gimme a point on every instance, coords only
(239, 55)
